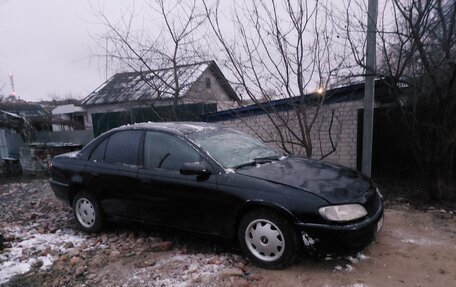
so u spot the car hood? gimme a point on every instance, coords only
(334, 183)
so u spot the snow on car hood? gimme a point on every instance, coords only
(334, 183)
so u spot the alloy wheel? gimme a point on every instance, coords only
(264, 240)
(85, 212)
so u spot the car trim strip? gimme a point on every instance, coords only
(51, 181)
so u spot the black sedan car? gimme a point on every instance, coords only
(215, 180)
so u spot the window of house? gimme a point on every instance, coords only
(123, 147)
(78, 122)
(167, 151)
(208, 83)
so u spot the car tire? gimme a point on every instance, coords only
(268, 239)
(87, 212)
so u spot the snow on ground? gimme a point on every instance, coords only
(39, 229)
(420, 241)
(416, 239)
(32, 249)
(351, 262)
(181, 269)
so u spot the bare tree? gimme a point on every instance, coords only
(421, 53)
(282, 50)
(417, 52)
(159, 49)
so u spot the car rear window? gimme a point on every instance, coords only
(123, 147)
(98, 153)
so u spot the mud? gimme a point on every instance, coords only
(43, 247)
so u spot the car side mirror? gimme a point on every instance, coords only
(194, 168)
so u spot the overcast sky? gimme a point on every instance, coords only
(48, 45)
(45, 44)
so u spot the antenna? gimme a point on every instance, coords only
(13, 93)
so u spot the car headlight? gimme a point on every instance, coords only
(344, 212)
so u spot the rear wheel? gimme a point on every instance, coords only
(268, 239)
(87, 212)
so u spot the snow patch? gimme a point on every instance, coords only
(308, 241)
(10, 269)
(198, 128)
(361, 256)
(11, 114)
(416, 239)
(229, 170)
(348, 268)
(420, 241)
(27, 248)
(198, 273)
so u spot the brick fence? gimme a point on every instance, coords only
(343, 130)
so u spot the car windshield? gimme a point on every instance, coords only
(233, 149)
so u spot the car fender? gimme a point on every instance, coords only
(258, 203)
(76, 184)
(76, 179)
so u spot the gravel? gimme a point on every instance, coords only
(44, 247)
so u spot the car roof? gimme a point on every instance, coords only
(178, 128)
(184, 128)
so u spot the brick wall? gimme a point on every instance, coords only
(343, 130)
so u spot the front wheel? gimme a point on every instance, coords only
(268, 239)
(87, 212)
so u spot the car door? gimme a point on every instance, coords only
(170, 198)
(112, 173)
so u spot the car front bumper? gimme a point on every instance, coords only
(346, 238)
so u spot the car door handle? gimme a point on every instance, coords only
(145, 180)
(95, 174)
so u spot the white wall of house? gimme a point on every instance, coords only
(207, 89)
(67, 113)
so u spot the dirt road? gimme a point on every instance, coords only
(44, 248)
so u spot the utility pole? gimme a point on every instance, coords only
(368, 122)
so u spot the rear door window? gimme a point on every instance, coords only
(97, 154)
(166, 151)
(123, 147)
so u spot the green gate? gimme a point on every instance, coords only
(190, 112)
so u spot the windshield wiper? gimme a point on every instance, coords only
(250, 163)
(266, 158)
(258, 160)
